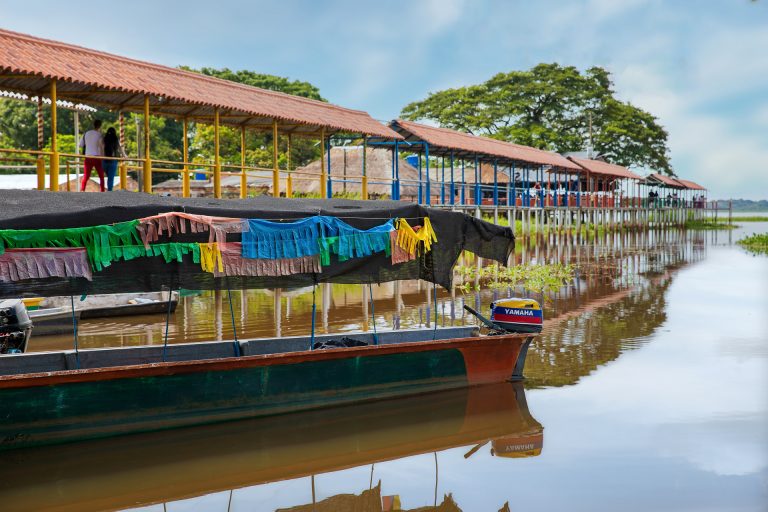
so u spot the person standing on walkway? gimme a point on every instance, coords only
(93, 144)
(112, 148)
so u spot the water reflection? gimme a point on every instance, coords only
(620, 263)
(294, 449)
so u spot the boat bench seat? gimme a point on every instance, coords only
(39, 362)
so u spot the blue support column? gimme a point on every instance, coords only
(442, 182)
(540, 174)
(421, 191)
(392, 192)
(578, 190)
(463, 185)
(453, 183)
(495, 183)
(329, 187)
(426, 162)
(527, 201)
(396, 181)
(554, 195)
(478, 198)
(514, 185)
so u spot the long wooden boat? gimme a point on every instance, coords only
(53, 397)
(145, 469)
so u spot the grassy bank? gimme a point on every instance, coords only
(757, 244)
(534, 278)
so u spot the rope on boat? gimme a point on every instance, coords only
(373, 315)
(167, 322)
(232, 314)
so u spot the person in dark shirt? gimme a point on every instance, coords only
(112, 148)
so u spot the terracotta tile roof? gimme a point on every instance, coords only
(665, 180)
(690, 185)
(604, 168)
(98, 78)
(464, 144)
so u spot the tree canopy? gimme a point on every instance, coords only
(551, 107)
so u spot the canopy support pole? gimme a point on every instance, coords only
(54, 174)
(426, 162)
(235, 343)
(41, 144)
(453, 184)
(216, 155)
(373, 315)
(147, 181)
(185, 192)
(167, 322)
(314, 314)
(289, 178)
(275, 155)
(243, 176)
(364, 182)
(74, 331)
(323, 170)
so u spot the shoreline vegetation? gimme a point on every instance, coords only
(756, 244)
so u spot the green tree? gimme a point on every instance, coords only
(552, 107)
(258, 144)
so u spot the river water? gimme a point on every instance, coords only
(647, 390)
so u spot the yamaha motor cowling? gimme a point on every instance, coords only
(517, 315)
(15, 327)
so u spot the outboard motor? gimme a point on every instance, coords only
(517, 315)
(15, 327)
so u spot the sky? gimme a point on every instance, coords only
(700, 66)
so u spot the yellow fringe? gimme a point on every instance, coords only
(210, 257)
(412, 241)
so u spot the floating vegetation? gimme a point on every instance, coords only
(752, 218)
(756, 244)
(533, 278)
(710, 224)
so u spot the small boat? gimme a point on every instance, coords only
(116, 305)
(50, 321)
(62, 396)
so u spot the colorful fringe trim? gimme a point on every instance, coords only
(20, 264)
(275, 240)
(235, 265)
(102, 243)
(415, 242)
(150, 228)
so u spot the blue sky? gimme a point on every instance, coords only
(700, 66)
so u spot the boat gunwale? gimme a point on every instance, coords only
(26, 380)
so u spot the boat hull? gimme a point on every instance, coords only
(71, 405)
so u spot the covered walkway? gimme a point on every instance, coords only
(35, 68)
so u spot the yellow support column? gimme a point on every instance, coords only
(123, 168)
(323, 172)
(365, 173)
(147, 161)
(216, 156)
(289, 179)
(40, 173)
(54, 145)
(185, 155)
(275, 169)
(243, 176)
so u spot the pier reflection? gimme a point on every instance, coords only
(608, 270)
(291, 450)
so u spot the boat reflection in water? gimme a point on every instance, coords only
(163, 467)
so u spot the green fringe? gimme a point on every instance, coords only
(104, 244)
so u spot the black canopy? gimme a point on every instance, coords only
(456, 232)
